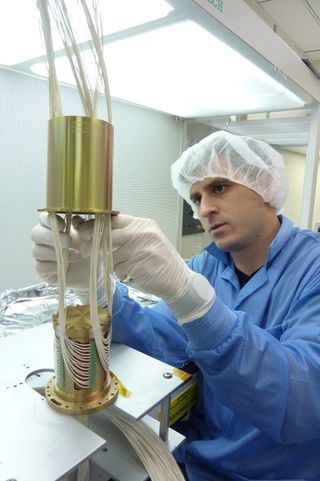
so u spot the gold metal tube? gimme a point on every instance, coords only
(79, 172)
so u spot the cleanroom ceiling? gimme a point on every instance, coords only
(183, 57)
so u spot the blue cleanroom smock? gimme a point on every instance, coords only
(258, 354)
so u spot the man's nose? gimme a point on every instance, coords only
(208, 206)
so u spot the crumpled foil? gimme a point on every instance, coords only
(34, 305)
(29, 307)
(142, 297)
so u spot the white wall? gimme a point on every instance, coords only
(295, 163)
(146, 143)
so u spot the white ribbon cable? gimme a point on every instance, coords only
(79, 356)
(61, 274)
(108, 276)
(54, 94)
(95, 30)
(71, 360)
(83, 473)
(107, 344)
(94, 19)
(108, 263)
(76, 356)
(80, 360)
(94, 266)
(153, 452)
(57, 359)
(60, 13)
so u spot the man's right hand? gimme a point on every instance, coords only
(78, 242)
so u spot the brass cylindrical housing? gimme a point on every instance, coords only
(78, 322)
(79, 171)
(62, 393)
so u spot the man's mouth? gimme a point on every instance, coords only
(216, 227)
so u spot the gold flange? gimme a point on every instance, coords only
(73, 407)
(64, 210)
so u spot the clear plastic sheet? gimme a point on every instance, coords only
(34, 305)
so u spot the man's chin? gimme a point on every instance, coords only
(224, 244)
(222, 247)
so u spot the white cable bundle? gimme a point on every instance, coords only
(89, 95)
(75, 356)
(98, 237)
(108, 262)
(153, 452)
(83, 473)
(54, 93)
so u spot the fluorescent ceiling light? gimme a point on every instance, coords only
(20, 36)
(184, 70)
(119, 15)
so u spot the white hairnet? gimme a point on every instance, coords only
(240, 159)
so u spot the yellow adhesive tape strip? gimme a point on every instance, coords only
(122, 391)
(182, 403)
(184, 376)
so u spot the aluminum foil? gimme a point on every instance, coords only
(142, 297)
(29, 307)
(34, 305)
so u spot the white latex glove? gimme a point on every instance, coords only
(78, 242)
(142, 251)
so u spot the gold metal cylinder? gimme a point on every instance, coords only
(62, 393)
(79, 171)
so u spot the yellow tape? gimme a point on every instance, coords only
(184, 376)
(122, 391)
(182, 403)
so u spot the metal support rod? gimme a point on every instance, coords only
(311, 169)
(164, 419)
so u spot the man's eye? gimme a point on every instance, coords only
(220, 188)
(197, 201)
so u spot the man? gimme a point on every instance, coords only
(246, 312)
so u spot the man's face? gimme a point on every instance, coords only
(234, 215)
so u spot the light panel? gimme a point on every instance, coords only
(20, 36)
(182, 69)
